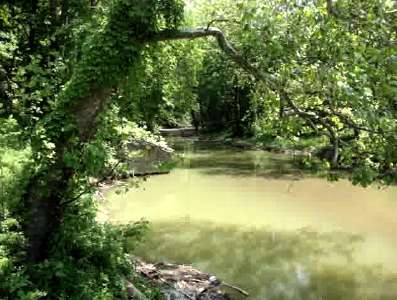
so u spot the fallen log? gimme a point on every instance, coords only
(183, 282)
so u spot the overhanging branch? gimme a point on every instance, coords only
(224, 44)
(287, 105)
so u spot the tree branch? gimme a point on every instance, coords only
(313, 118)
(89, 188)
(224, 44)
(210, 23)
(287, 105)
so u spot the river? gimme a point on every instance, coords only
(256, 221)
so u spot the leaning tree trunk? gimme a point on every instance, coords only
(73, 122)
(79, 105)
(50, 188)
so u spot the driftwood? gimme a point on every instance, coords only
(182, 282)
(134, 293)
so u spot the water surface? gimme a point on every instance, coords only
(255, 220)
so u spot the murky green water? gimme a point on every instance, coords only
(255, 221)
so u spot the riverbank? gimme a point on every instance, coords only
(255, 220)
(181, 282)
(278, 145)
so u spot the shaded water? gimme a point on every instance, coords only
(256, 221)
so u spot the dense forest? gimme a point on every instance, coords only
(78, 78)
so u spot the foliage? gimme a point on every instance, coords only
(89, 258)
(14, 283)
(119, 144)
(73, 76)
(224, 97)
(162, 90)
(43, 78)
(330, 74)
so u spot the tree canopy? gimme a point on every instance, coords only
(71, 71)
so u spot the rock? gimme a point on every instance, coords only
(146, 158)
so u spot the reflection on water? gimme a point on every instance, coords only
(218, 160)
(257, 221)
(302, 264)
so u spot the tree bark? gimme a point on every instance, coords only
(223, 43)
(330, 8)
(46, 192)
(50, 188)
(44, 214)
